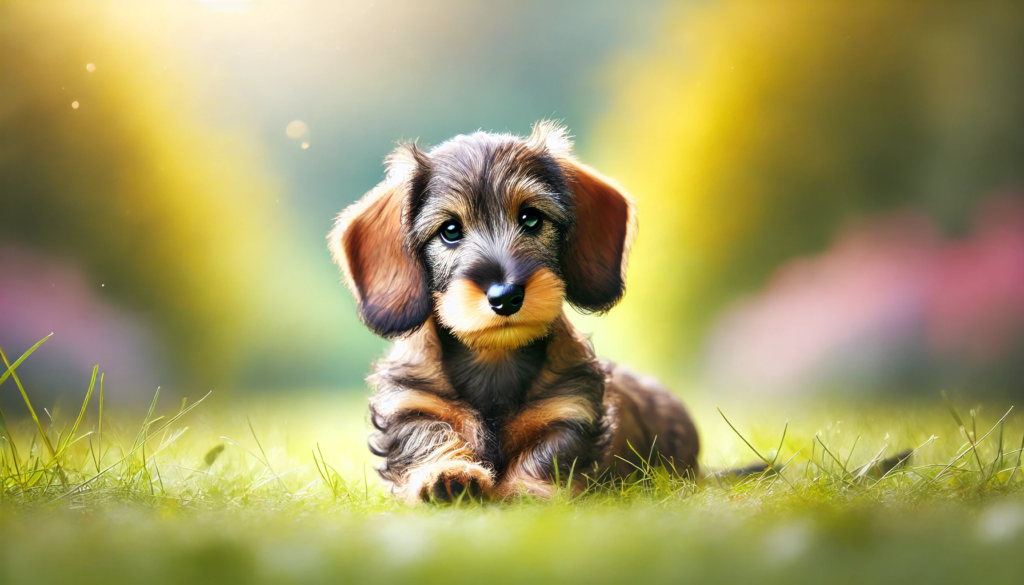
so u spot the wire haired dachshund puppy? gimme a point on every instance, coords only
(465, 256)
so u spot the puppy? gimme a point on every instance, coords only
(465, 255)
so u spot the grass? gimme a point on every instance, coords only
(281, 488)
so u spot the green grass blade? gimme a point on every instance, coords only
(144, 431)
(99, 429)
(744, 439)
(81, 414)
(24, 395)
(125, 457)
(963, 427)
(31, 350)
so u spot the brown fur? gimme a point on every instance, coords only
(472, 402)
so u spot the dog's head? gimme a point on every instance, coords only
(490, 233)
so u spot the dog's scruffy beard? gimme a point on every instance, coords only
(464, 309)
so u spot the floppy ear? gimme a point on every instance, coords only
(598, 246)
(368, 243)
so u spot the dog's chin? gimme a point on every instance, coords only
(502, 338)
(464, 310)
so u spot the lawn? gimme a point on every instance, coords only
(281, 488)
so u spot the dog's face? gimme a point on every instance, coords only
(491, 225)
(488, 233)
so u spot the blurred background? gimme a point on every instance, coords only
(831, 195)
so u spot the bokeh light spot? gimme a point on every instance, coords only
(296, 129)
(90, 67)
(305, 145)
(74, 105)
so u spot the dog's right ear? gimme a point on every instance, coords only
(368, 243)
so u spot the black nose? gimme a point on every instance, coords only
(506, 299)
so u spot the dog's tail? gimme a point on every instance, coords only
(734, 473)
(876, 469)
(738, 472)
(884, 466)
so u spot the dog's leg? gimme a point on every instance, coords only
(534, 472)
(430, 445)
(551, 439)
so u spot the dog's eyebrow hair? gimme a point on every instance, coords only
(531, 193)
(438, 209)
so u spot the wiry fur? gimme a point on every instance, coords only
(469, 401)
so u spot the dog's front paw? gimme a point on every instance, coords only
(457, 481)
(448, 488)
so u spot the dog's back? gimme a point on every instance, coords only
(652, 426)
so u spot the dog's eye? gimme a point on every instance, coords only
(530, 220)
(451, 232)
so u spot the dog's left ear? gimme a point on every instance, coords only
(598, 246)
(594, 262)
(368, 243)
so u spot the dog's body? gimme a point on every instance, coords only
(466, 255)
